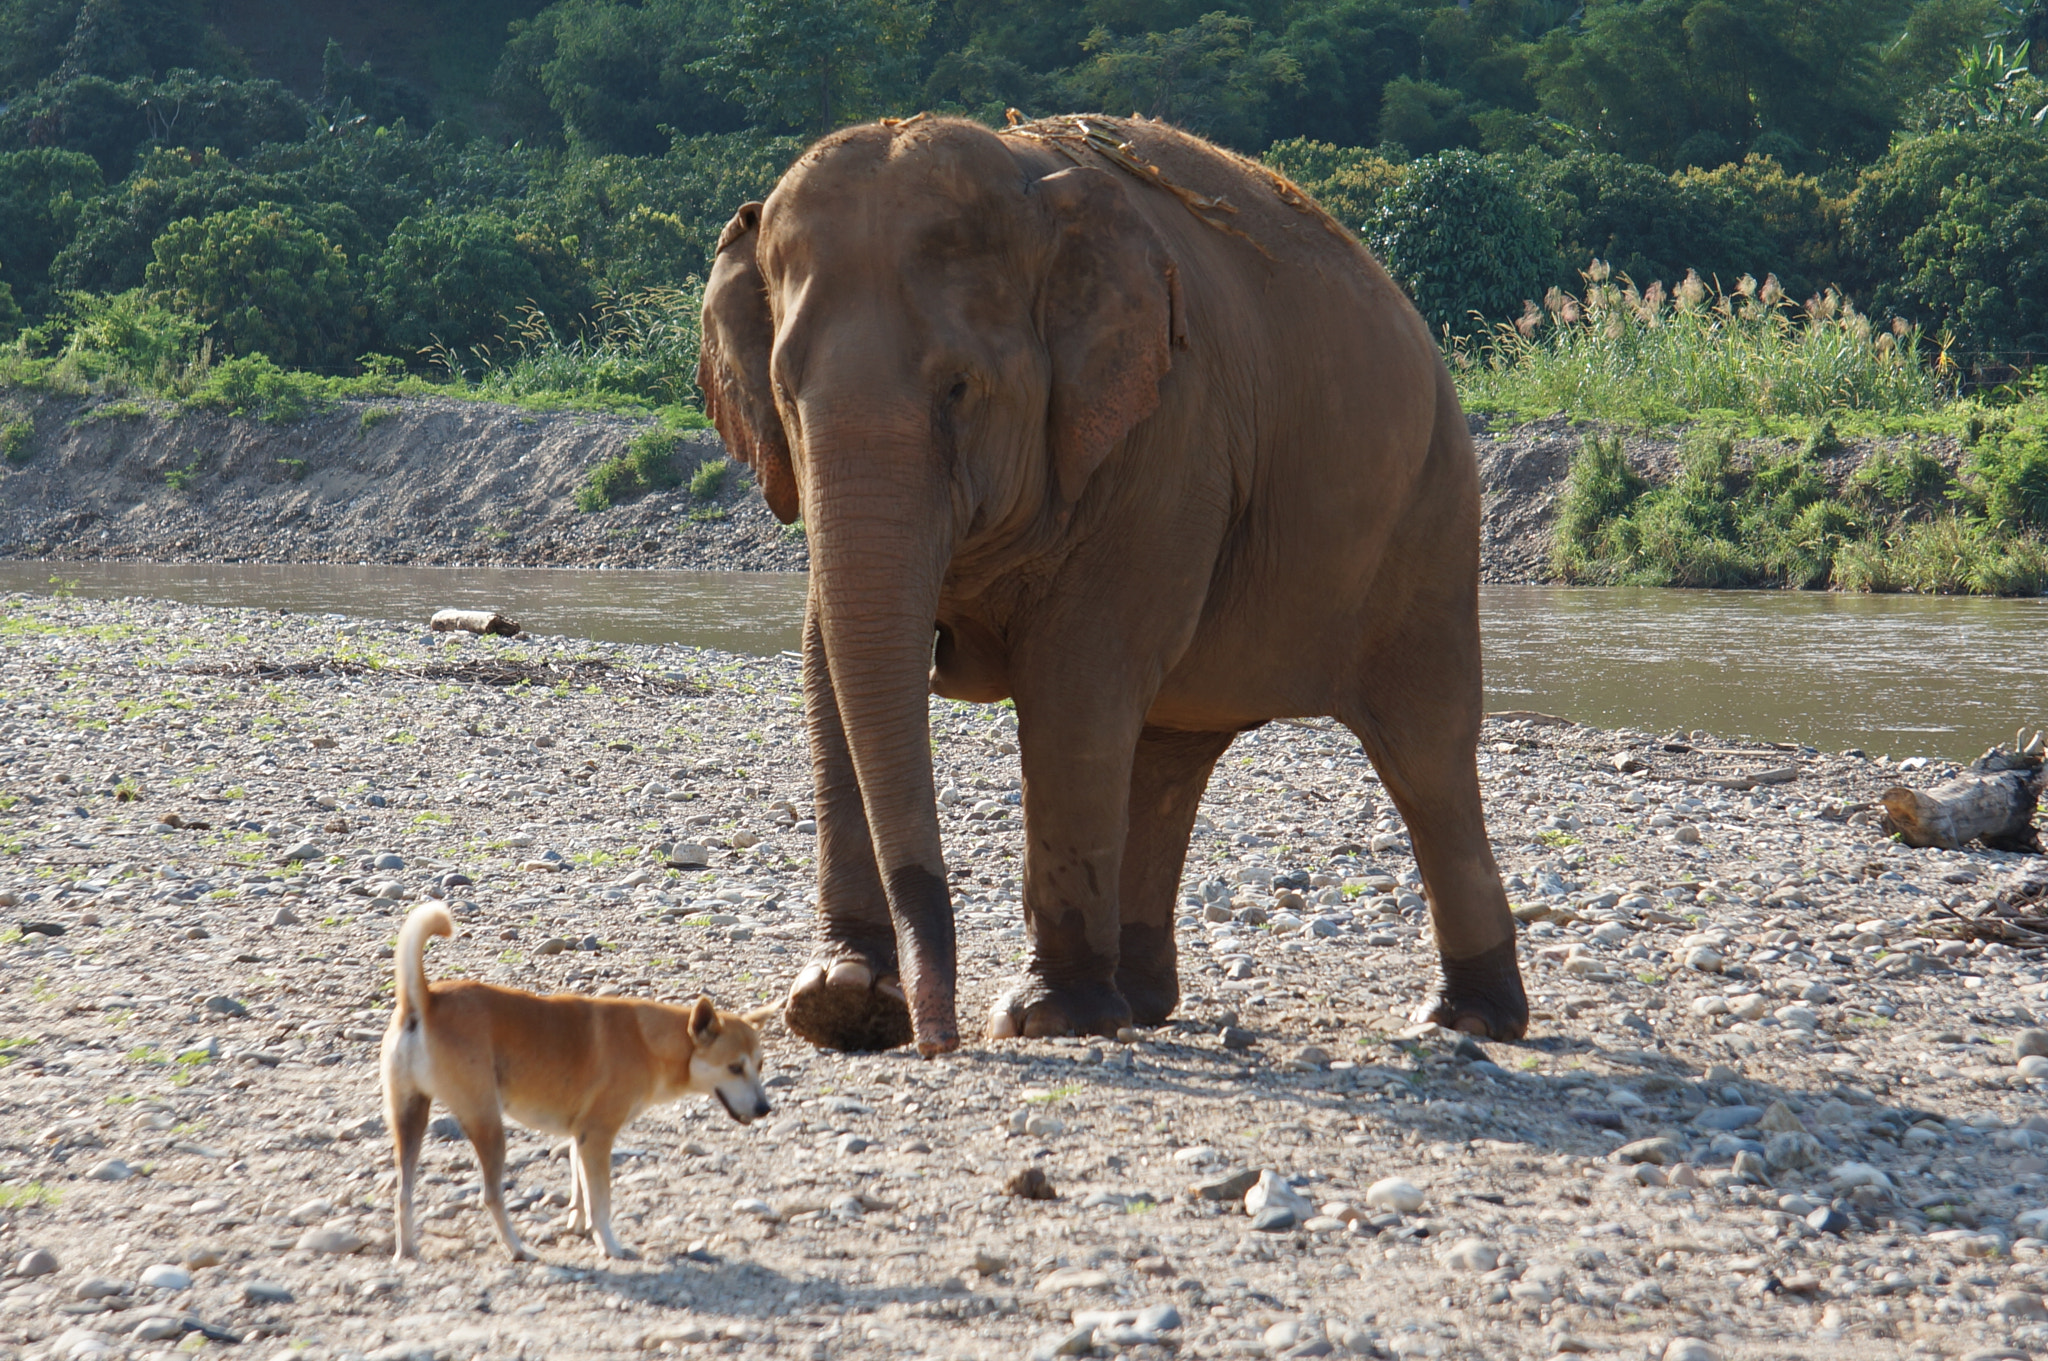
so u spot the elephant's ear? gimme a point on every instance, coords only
(1110, 318)
(732, 364)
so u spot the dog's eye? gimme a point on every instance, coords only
(740, 1067)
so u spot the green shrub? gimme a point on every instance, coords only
(1900, 482)
(264, 283)
(1946, 555)
(2011, 476)
(647, 465)
(1461, 237)
(1599, 487)
(123, 337)
(252, 385)
(16, 432)
(709, 479)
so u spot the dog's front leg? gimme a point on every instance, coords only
(594, 1157)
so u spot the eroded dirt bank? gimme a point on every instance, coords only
(1772, 1105)
(451, 482)
(419, 481)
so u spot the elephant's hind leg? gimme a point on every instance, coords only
(849, 997)
(1429, 768)
(1168, 777)
(1417, 712)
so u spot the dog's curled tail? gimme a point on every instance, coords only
(430, 919)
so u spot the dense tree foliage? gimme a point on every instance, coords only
(1894, 149)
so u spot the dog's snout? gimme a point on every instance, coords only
(762, 1108)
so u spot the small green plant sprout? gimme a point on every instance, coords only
(294, 468)
(183, 479)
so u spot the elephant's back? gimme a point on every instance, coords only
(1235, 202)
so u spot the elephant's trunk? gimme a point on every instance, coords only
(877, 513)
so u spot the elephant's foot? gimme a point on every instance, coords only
(1481, 995)
(1148, 972)
(841, 1003)
(1035, 1010)
(1152, 995)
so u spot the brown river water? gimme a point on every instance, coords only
(1897, 675)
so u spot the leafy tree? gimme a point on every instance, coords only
(616, 78)
(112, 122)
(1980, 263)
(1213, 77)
(1988, 88)
(812, 65)
(1647, 225)
(11, 317)
(1697, 82)
(1801, 222)
(456, 281)
(1464, 240)
(1902, 192)
(41, 194)
(1348, 181)
(1347, 53)
(648, 222)
(265, 282)
(375, 97)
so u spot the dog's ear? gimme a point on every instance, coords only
(762, 1017)
(703, 1020)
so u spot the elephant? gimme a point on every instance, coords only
(1092, 415)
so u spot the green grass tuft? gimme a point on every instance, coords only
(647, 465)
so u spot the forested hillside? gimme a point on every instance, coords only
(461, 189)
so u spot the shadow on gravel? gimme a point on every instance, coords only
(1657, 1119)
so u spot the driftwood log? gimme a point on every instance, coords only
(1994, 801)
(473, 621)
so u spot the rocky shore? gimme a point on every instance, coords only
(1772, 1105)
(441, 481)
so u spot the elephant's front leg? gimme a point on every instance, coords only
(850, 997)
(1077, 767)
(1168, 776)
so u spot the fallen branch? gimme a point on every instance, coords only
(1994, 801)
(473, 621)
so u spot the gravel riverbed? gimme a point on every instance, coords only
(1768, 1107)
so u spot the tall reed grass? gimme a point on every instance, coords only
(1617, 352)
(638, 347)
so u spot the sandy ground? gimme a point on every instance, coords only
(1767, 1109)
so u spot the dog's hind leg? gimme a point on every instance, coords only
(594, 1156)
(487, 1135)
(407, 1113)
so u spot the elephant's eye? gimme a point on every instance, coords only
(957, 391)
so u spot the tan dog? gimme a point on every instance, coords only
(580, 1066)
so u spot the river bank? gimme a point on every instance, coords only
(1767, 1103)
(449, 482)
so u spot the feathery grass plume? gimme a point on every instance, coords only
(1618, 352)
